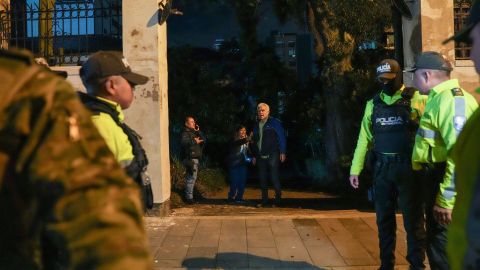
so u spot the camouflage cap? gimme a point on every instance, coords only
(109, 63)
(431, 60)
(473, 19)
(388, 69)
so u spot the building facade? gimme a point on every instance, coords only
(434, 21)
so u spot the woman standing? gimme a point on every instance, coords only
(237, 164)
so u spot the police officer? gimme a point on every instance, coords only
(448, 107)
(463, 245)
(388, 127)
(110, 82)
(65, 203)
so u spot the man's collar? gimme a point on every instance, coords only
(446, 85)
(114, 105)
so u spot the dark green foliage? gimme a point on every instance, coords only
(345, 76)
(214, 87)
(209, 180)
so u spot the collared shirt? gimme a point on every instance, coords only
(260, 128)
(117, 141)
(448, 107)
(365, 138)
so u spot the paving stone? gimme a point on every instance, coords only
(365, 234)
(233, 238)
(176, 241)
(157, 232)
(292, 249)
(233, 234)
(349, 248)
(326, 255)
(305, 222)
(164, 264)
(206, 237)
(209, 223)
(260, 237)
(234, 224)
(202, 257)
(226, 245)
(283, 227)
(171, 253)
(263, 257)
(313, 236)
(183, 227)
(258, 223)
(297, 265)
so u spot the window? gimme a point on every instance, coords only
(461, 9)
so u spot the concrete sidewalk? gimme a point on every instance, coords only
(259, 242)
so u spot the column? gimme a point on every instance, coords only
(145, 47)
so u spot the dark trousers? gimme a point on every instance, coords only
(436, 233)
(238, 177)
(395, 181)
(268, 169)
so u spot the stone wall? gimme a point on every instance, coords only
(432, 23)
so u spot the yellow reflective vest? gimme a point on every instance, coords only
(447, 110)
(464, 231)
(113, 134)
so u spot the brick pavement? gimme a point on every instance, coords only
(334, 241)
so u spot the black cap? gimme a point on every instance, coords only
(109, 63)
(473, 19)
(388, 69)
(431, 60)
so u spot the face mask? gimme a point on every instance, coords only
(392, 86)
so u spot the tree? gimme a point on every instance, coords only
(338, 27)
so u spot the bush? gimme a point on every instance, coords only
(210, 180)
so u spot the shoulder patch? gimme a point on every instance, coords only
(457, 92)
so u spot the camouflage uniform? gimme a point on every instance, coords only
(65, 203)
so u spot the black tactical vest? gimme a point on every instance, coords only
(140, 160)
(393, 129)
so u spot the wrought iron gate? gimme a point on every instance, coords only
(63, 32)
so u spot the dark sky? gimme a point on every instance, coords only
(203, 22)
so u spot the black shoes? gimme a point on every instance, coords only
(189, 201)
(277, 203)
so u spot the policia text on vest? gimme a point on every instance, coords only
(388, 128)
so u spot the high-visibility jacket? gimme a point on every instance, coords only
(365, 137)
(448, 108)
(113, 134)
(464, 231)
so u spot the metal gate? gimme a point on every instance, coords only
(63, 32)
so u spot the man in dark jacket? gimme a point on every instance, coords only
(192, 147)
(269, 148)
